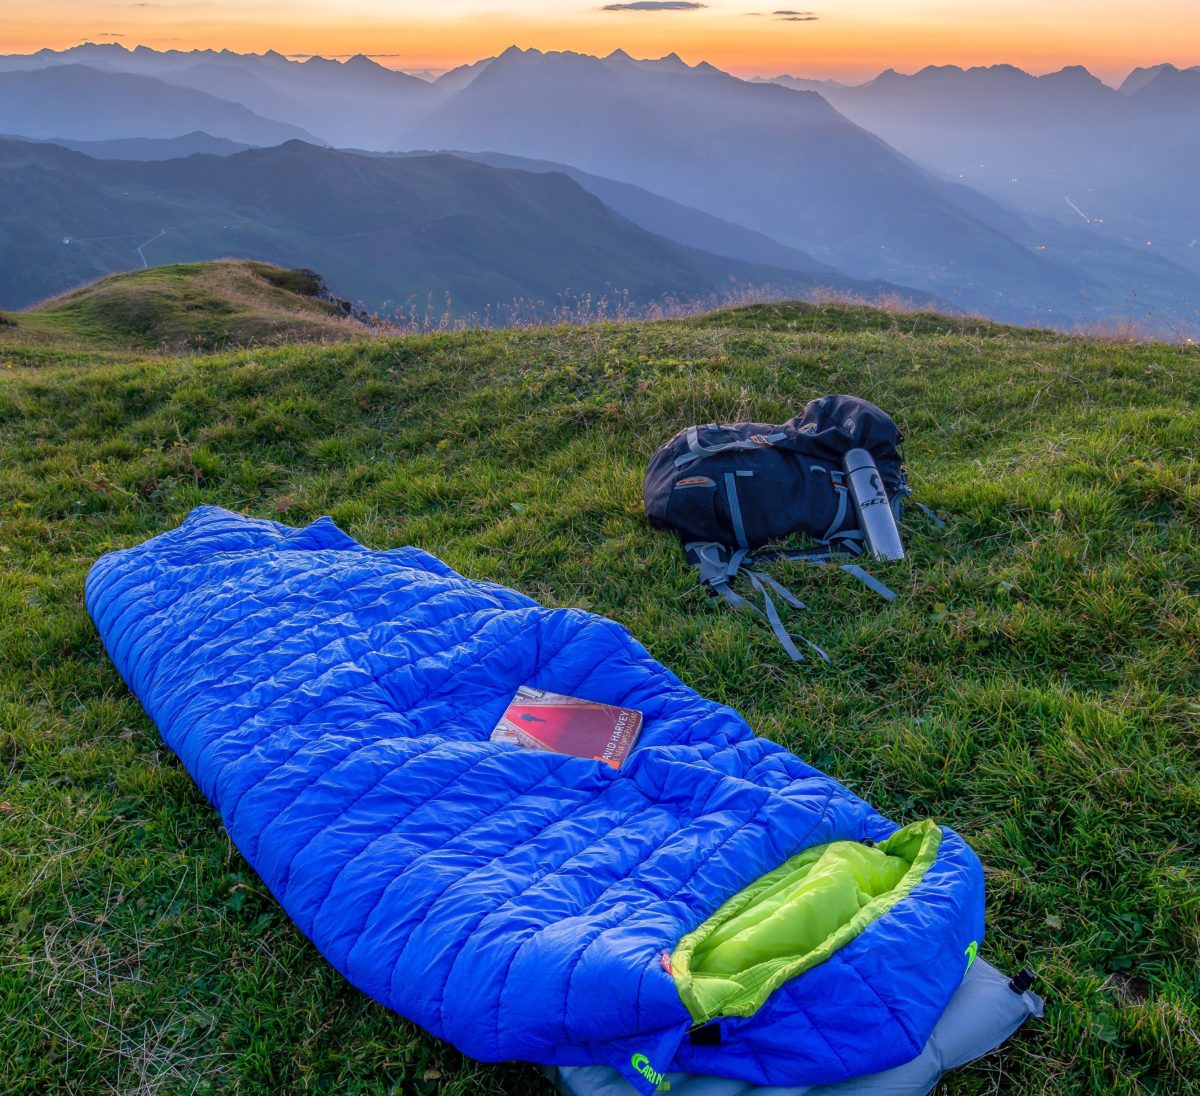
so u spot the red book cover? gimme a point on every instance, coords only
(541, 720)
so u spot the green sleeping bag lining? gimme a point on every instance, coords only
(795, 917)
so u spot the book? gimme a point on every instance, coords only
(542, 720)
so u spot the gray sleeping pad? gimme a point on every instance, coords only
(980, 1016)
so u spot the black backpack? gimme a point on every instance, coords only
(728, 489)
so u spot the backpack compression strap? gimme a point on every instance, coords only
(696, 449)
(905, 494)
(821, 556)
(718, 567)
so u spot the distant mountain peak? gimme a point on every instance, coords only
(458, 78)
(1170, 85)
(110, 47)
(954, 72)
(1075, 73)
(1140, 77)
(672, 60)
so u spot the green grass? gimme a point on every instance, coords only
(1035, 686)
(190, 306)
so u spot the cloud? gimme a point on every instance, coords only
(655, 5)
(786, 15)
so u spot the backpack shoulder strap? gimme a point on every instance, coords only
(827, 554)
(717, 567)
(869, 581)
(760, 581)
(929, 514)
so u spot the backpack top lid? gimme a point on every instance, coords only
(833, 425)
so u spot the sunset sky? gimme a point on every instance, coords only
(843, 38)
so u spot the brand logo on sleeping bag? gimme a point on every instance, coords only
(641, 1064)
(971, 952)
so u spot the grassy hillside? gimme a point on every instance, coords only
(192, 306)
(1035, 686)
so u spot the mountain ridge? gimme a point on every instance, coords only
(740, 151)
(812, 169)
(1063, 145)
(345, 103)
(668, 218)
(388, 231)
(82, 103)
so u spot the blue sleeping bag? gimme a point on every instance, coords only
(714, 906)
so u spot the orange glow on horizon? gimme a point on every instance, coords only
(855, 41)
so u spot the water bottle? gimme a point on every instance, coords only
(875, 516)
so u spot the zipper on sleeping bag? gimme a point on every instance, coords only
(794, 918)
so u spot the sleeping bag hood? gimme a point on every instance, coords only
(715, 906)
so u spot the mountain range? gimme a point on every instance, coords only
(389, 232)
(786, 164)
(990, 190)
(671, 219)
(780, 162)
(1122, 161)
(355, 103)
(82, 103)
